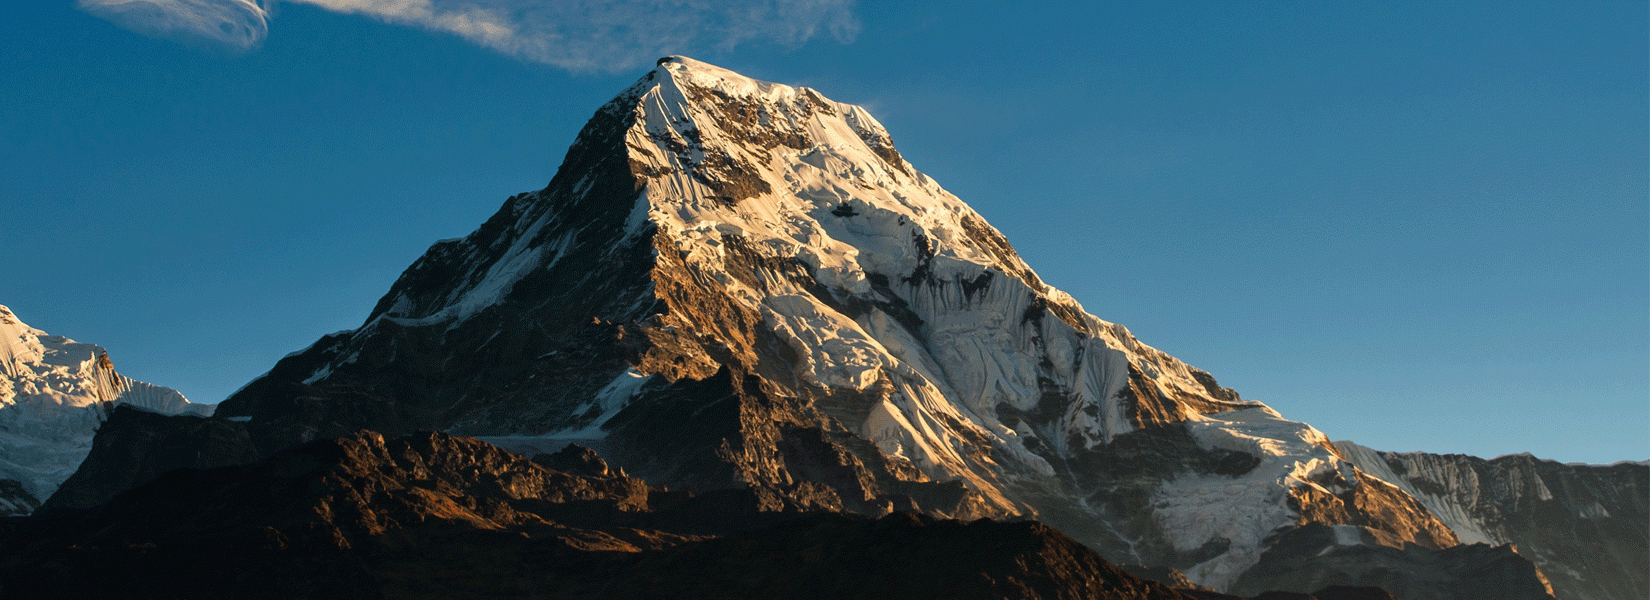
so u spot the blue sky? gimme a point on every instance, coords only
(1420, 226)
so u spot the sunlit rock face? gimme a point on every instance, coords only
(1586, 526)
(54, 392)
(738, 283)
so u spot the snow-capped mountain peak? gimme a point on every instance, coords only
(54, 392)
(735, 282)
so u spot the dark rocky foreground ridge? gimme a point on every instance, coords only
(156, 506)
(433, 516)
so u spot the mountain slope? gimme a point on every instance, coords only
(1586, 526)
(737, 283)
(54, 392)
(433, 516)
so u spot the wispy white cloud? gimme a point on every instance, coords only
(579, 35)
(235, 24)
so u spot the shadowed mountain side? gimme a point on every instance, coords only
(902, 555)
(134, 447)
(433, 516)
(1304, 558)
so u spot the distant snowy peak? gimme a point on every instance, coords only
(54, 392)
(1584, 525)
(70, 373)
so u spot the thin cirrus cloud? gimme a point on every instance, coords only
(235, 24)
(579, 35)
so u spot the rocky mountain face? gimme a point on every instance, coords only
(1586, 526)
(433, 516)
(54, 392)
(1312, 554)
(136, 446)
(734, 284)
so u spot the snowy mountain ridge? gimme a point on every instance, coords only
(54, 392)
(1584, 525)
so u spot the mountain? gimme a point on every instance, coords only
(737, 284)
(54, 392)
(1586, 526)
(433, 516)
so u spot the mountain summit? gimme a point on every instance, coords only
(735, 283)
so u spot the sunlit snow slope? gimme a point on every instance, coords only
(53, 394)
